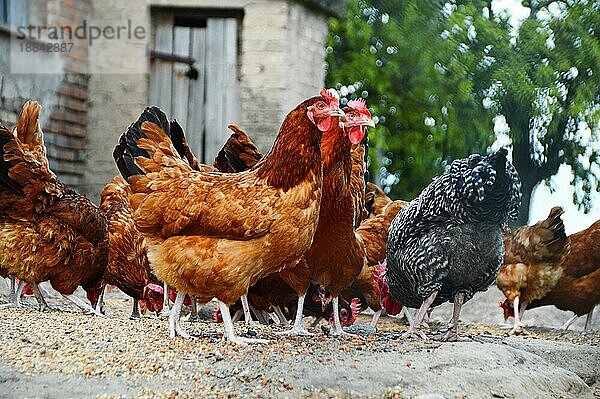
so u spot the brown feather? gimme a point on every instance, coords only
(47, 231)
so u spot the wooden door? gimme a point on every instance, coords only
(206, 105)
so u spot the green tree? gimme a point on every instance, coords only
(414, 62)
(549, 91)
(437, 74)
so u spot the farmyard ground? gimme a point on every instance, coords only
(69, 354)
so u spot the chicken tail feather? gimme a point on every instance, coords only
(149, 135)
(238, 154)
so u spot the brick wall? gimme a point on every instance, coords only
(62, 96)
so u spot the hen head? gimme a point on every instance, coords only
(357, 119)
(391, 306)
(323, 296)
(152, 298)
(348, 313)
(321, 111)
(93, 293)
(509, 309)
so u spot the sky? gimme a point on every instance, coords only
(543, 199)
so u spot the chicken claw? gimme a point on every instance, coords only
(414, 332)
(229, 334)
(517, 330)
(298, 328)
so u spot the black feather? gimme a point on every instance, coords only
(449, 239)
(178, 138)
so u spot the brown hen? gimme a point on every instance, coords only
(47, 231)
(213, 234)
(542, 266)
(128, 267)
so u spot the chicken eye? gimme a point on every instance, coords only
(351, 116)
(320, 105)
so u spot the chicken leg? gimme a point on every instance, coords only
(452, 334)
(570, 322)
(247, 314)
(375, 318)
(229, 334)
(100, 303)
(337, 326)
(166, 303)
(298, 328)
(518, 328)
(414, 331)
(40, 298)
(194, 311)
(174, 322)
(588, 321)
(283, 321)
(135, 313)
(13, 289)
(81, 304)
(15, 297)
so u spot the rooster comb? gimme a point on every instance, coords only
(332, 95)
(360, 105)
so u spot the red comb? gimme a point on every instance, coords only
(360, 105)
(332, 96)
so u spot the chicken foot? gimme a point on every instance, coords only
(81, 304)
(414, 331)
(229, 334)
(174, 318)
(43, 305)
(451, 335)
(298, 327)
(15, 297)
(518, 329)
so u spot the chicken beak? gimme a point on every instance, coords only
(369, 122)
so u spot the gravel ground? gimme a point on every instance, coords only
(69, 354)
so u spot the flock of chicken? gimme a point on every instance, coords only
(294, 232)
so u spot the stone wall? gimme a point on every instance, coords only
(116, 99)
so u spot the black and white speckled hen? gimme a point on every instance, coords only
(446, 245)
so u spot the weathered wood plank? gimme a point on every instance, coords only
(196, 103)
(161, 73)
(180, 82)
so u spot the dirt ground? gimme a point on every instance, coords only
(68, 354)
